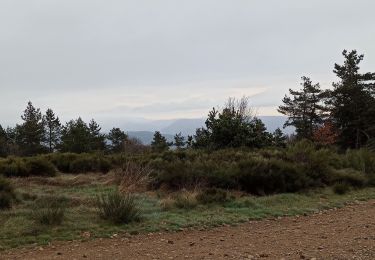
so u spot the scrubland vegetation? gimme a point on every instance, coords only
(74, 182)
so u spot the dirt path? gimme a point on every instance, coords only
(347, 233)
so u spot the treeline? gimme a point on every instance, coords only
(40, 133)
(343, 116)
(43, 133)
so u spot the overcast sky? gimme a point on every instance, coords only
(162, 59)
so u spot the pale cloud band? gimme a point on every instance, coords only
(170, 59)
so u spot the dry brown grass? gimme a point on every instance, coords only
(62, 180)
(132, 177)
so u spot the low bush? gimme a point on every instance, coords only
(7, 194)
(350, 177)
(362, 160)
(81, 165)
(341, 188)
(213, 195)
(49, 210)
(13, 167)
(24, 167)
(263, 176)
(62, 161)
(118, 208)
(39, 166)
(104, 165)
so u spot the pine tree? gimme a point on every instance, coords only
(52, 130)
(97, 139)
(305, 109)
(31, 131)
(233, 126)
(179, 140)
(117, 139)
(279, 139)
(190, 141)
(352, 102)
(3, 142)
(76, 137)
(159, 143)
(12, 137)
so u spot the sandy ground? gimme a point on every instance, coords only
(347, 233)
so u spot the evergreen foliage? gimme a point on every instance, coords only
(30, 134)
(179, 140)
(159, 143)
(52, 130)
(352, 102)
(305, 108)
(117, 139)
(234, 126)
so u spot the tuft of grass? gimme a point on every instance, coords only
(213, 195)
(186, 200)
(118, 208)
(167, 203)
(49, 210)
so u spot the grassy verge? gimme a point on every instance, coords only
(81, 221)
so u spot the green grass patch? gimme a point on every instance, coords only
(18, 228)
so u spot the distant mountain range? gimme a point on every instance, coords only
(188, 126)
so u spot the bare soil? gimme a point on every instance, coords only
(347, 233)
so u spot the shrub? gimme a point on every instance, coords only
(81, 164)
(341, 188)
(362, 160)
(89, 163)
(7, 194)
(316, 163)
(13, 167)
(49, 210)
(40, 167)
(186, 200)
(62, 161)
(213, 195)
(262, 176)
(104, 165)
(118, 208)
(24, 167)
(350, 177)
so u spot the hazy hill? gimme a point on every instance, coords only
(147, 136)
(188, 126)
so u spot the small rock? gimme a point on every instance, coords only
(170, 242)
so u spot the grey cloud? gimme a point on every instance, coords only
(49, 48)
